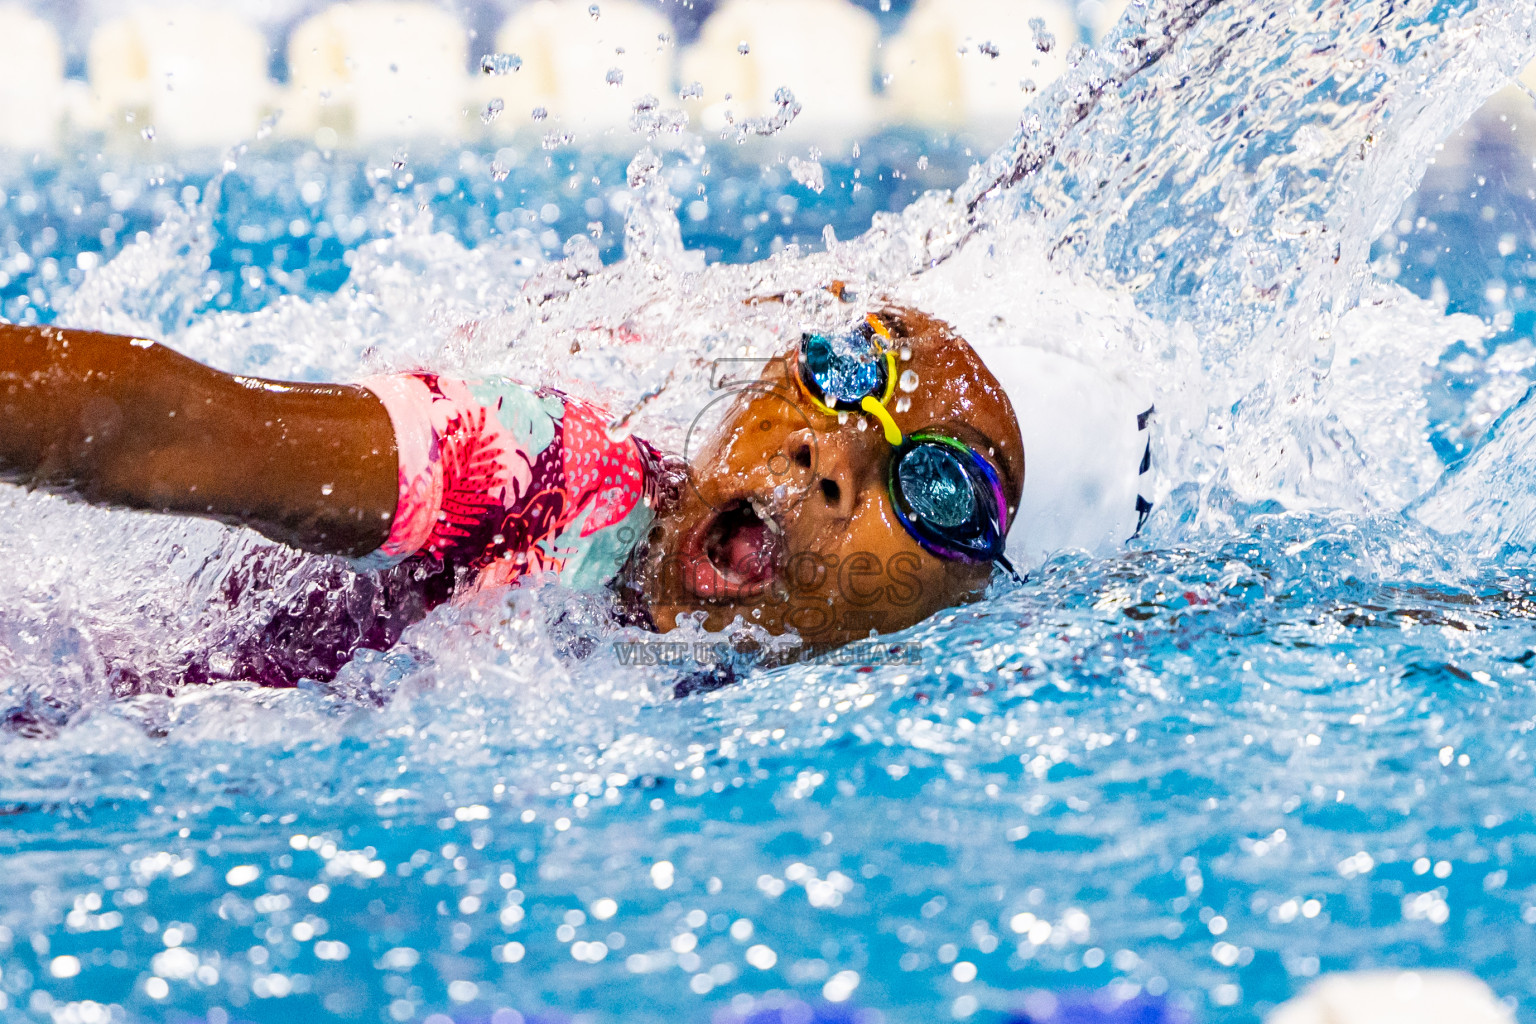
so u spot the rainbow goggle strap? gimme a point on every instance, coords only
(946, 495)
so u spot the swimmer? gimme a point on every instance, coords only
(835, 498)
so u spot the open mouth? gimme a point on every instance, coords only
(733, 555)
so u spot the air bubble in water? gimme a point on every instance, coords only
(908, 382)
(500, 63)
(492, 111)
(615, 76)
(903, 404)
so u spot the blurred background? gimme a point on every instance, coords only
(209, 74)
(779, 120)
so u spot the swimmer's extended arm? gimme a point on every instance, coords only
(123, 422)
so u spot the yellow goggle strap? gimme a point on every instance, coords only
(884, 334)
(893, 435)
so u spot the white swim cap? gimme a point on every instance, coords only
(1087, 453)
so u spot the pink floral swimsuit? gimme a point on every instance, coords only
(504, 481)
(497, 481)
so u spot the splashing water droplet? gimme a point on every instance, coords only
(499, 171)
(692, 91)
(500, 63)
(1044, 40)
(554, 140)
(908, 382)
(148, 134)
(787, 108)
(745, 48)
(400, 158)
(492, 110)
(615, 76)
(809, 173)
(327, 489)
(990, 49)
(903, 404)
(540, 113)
(650, 120)
(595, 11)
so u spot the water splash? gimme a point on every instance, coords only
(1238, 192)
(1109, 759)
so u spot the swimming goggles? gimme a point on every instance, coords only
(946, 495)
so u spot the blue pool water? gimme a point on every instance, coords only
(1287, 733)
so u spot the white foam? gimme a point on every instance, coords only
(822, 50)
(1395, 997)
(378, 70)
(197, 77)
(585, 72)
(31, 81)
(971, 62)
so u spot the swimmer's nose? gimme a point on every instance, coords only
(829, 468)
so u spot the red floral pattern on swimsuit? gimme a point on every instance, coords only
(507, 480)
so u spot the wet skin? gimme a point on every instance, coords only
(127, 422)
(788, 522)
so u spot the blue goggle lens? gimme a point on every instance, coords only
(842, 370)
(936, 486)
(949, 499)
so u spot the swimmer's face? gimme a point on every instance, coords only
(788, 522)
